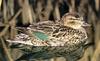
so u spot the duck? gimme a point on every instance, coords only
(64, 37)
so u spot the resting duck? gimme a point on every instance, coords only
(59, 38)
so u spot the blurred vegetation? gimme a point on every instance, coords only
(21, 13)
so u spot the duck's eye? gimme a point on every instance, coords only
(77, 16)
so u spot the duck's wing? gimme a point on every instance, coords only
(44, 32)
(40, 31)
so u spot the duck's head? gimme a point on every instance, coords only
(73, 20)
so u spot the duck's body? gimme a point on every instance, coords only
(53, 39)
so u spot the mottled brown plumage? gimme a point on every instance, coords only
(63, 38)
